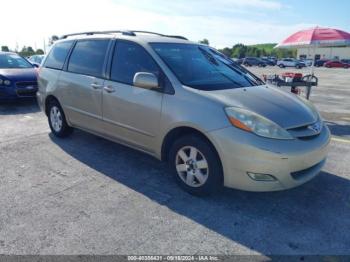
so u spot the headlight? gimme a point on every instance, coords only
(4, 81)
(252, 122)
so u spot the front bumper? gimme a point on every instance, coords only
(14, 93)
(291, 162)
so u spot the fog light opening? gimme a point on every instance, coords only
(261, 177)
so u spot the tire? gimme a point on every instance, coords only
(281, 66)
(188, 174)
(57, 120)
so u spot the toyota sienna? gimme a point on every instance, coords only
(216, 123)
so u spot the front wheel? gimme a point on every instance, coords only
(196, 165)
(57, 120)
(281, 66)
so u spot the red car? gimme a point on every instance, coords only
(336, 63)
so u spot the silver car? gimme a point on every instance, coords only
(213, 121)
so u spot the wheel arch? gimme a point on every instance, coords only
(181, 131)
(49, 99)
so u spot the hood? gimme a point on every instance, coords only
(19, 74)
(286, 110)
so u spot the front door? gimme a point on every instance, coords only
(131, 114)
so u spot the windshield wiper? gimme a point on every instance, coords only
(208, 56)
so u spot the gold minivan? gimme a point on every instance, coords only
(216, 123)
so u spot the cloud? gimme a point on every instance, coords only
(195, 20)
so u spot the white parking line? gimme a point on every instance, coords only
(338, 139)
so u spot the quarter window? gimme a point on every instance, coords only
(130, 58)
(88, 57)
(58, 54)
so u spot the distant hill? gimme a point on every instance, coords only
(268, 47)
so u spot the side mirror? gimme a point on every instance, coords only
(35, 65)
(146, 80)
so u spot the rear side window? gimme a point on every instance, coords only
(129, 59)
(88, 57)
(58, 55)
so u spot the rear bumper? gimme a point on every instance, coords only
(291, 162)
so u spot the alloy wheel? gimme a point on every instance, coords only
(192, 166)
(56, 118)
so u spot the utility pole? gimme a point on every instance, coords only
(44, 46)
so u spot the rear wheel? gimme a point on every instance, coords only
(281, 66)
(196, 165)
(57, 120)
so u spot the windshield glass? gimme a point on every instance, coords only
(204, 68)
(13, 61)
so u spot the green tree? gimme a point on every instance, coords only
(204, 41)
(39, 52)
(241, 51)
(5, 48)
(27, 51)
(226, 51)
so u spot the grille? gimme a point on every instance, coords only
(26, 83)
(306, 132)
(27, 88)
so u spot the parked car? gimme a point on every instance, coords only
(178, 101)
(18, 77)
(240, 61)
(346, 61)
(36, 59)
(253, 61)
(290, 62)
(320, 62)
(337, 64)
(268, 61)
(307, 62)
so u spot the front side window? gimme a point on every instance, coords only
(13, 61)
(128, 59)
(196, 66)
(58, 55)
(88, 57)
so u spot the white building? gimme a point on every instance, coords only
(324, 53)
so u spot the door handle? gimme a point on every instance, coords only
(109, 89)
(96, 86)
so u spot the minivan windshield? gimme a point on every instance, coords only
(13, 61)
(204, 68)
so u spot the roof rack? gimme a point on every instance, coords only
(123, 32)
(153, 33)
(99, 32)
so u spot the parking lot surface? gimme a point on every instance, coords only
(86, 195)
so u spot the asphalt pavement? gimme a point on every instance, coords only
(87, 195)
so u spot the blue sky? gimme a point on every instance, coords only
(223, 22)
